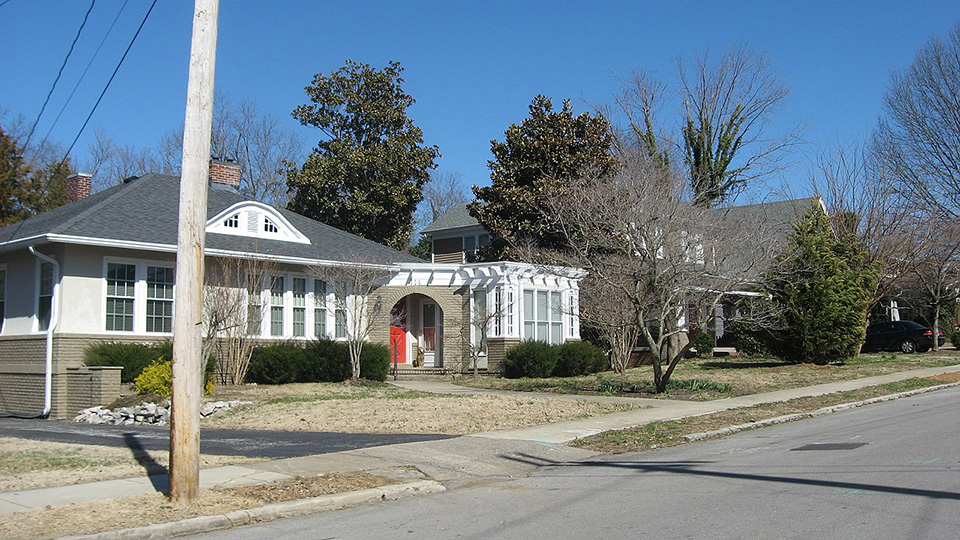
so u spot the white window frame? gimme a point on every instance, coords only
(551, 312)
(139, 294)
(475, 331)
(310, 306)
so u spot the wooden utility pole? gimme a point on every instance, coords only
(188, 301)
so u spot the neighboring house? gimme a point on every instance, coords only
(456, 236)
(101, 268)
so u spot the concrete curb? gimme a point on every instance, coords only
(819, 412)
(269, 512)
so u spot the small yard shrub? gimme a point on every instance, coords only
(325, 360)
(374, 362)
(704, 343)
(277, 363)
(579, 358)
(955, 338)
(748, 340)
(132, 357)
(530, 359)
(157, 378)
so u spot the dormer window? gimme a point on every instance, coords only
(269, 226)
(253, 219)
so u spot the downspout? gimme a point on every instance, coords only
(51, 328)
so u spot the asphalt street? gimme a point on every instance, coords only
(885, 471)
(227, 442)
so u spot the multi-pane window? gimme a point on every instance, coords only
(159, 299)
(269, 226)
(232, 222)
(508, 313)
(480, 321)
(276, 306)
(340, 310)
(320, 308)
(254, 305)
(498, 312)
(299, 307)
(543, 316)
(121, 283)
(45, 296)
(3, 295)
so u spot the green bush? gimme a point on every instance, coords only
(578, 358)
(157, 378)
(822, 285)
(530, 359)
(322, 360)
(748, 340)
(132, 357)
(374, 362)
(704, 342)
(326, 360)
(955, 338)
(277, 363)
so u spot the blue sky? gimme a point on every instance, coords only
(473, 67)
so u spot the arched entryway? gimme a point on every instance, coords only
(416, 332)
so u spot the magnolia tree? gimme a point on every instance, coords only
(357, 307)
(656, 263)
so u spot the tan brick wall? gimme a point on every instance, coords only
(451, 302)
(497, 352)
(22, 362)
(91, 386)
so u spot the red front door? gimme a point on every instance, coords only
(398, 345)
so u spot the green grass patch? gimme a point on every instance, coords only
(402, 394)
(26, 461)
(670, 433)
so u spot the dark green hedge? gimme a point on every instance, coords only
(132, 357)
(538, 359)
(316, 361)
(579, 358)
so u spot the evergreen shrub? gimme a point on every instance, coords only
(530, 359)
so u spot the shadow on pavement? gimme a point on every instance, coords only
(687, 467)
(155, 471)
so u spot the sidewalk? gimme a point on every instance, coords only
(502, 453)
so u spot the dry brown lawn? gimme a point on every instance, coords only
(26, 464)
(383, 408)
(141, 510)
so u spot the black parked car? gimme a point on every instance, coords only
(903, 336)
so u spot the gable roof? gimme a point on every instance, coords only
(145, 211)
(778, 217)
(456, 218)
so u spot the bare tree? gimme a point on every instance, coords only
(443, 192)
(938, 269)
(231, 308)
(724, 140)
(259, 144)
(474, 335)
(111, 163)
(864, 202)
(920, 138)
(656, 263)
(357, 308)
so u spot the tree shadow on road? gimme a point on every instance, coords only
(156, 472)
(691, 468)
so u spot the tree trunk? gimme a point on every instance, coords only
(936, 326)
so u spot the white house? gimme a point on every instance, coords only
(101, 268)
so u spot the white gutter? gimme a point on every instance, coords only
(54, 317)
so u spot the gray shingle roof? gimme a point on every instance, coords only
(455, 218)
(145, 210)
(776, 216)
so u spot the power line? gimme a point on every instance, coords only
(107, 86)
(84, 74)
(59, 73)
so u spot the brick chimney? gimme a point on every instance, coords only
(78, 186)
(223, 171)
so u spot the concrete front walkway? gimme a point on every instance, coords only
(465, 459)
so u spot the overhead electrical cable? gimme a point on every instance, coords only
(84, 74)
(59, 73)
(107, 86)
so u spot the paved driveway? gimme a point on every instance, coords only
(228, 442)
